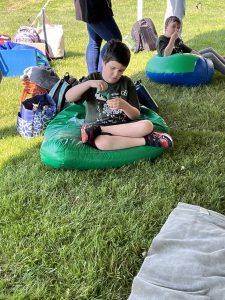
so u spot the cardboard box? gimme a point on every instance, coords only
(39, 46)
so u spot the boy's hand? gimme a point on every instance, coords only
(174, 36)
(100, 85)
(117, 103)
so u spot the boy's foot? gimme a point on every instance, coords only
(159, 139)
(89, 133)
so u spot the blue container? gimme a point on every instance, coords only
(13, 62)
(26, 114)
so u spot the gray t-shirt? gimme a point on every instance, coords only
(97, 109)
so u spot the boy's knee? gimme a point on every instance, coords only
(210, 50)
(102, 142)
(209, 55)
(148, 126)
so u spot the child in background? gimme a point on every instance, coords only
(175, 8)
(112, 109)
(170, 43)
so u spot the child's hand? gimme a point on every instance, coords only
(100, 85)
(117, 103)
(175, 35)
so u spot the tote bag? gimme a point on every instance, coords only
(53, 37)
(35, 115)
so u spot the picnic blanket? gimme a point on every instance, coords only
(186, 260)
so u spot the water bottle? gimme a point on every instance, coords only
(144, 97)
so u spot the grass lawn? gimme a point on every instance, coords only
(80, 235)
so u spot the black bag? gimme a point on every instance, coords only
(59, 90)
(144, 96)
(144, 35)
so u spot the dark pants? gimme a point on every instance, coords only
(105, 30)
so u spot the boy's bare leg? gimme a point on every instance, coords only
(124, 136)
(111, 142)
(135, 129)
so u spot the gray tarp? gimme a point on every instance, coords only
(186, 260)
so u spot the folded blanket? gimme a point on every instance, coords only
(186, 260)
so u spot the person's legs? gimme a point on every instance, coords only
(107, 29)
(218, 60)
(93, 49)
(110, 142)
(133, 129)
(211, 50)
(124, 136)
(178, 8)
(115, 142)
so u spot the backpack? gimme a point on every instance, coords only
(59, 90)
(144, 35)
(4, 38)
(27, 34)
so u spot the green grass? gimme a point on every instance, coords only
(81, 234)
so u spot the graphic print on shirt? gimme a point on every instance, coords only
(106, 115)
(178, 45)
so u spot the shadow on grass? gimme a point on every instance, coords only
(208, 39)
(24, 157)
(70, 54)
(177, 176)
(8, 132)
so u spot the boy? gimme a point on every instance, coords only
(113, 108)
(175, 8)
(170, 43)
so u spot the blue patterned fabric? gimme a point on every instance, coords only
(35, 115)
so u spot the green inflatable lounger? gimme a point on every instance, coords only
(62, 146)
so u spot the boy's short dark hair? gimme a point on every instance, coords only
(172, 19)
(117, 51)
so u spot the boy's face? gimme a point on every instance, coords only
(171, 28)
(112, 71)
